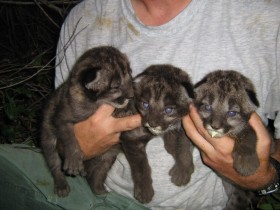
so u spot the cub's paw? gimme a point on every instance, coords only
(99, 189)
(62, 189)
(143, 194)
(74, 165)
(180, 175)
(246, 165)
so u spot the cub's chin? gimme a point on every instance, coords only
(155, 131)
(215, 134)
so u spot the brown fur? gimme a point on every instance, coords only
(225, 101)
(101, 75)
(160, 89)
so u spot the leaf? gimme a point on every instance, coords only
(12, 110)
(25, 92)
(265, 206)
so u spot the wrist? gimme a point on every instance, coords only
(274, 184)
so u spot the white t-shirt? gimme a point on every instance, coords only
(207, 35)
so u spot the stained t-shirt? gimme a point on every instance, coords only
(207, 35)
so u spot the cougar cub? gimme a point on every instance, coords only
(225, 101)
(101, 75)
(162, 94)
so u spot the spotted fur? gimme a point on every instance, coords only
(225, 101)
(162, 94)
(101, 75)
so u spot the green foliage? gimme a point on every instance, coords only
(270, 202)
(19, 115)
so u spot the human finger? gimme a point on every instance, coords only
(193, 126)
(198, 122)
(127, 123)
(264, 139)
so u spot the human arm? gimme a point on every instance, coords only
(217, 153)
(101, 130)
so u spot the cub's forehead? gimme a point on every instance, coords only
(153, 80)
(223, 82)
(227, 86)
(221, 91)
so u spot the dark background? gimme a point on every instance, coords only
(29, 31)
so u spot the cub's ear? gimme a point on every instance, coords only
(137, 84)
(201, 82)
(199, 88)
(183, 78)
(138, 79)
(189, 88)
(89, 78)
(253, 97)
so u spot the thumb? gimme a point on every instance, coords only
(264, 139)
(127, 123)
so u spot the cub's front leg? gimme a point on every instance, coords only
(98, 167)
(179, 146)
(70, 150)
(49, 148)
(135, 152)
(245, 158)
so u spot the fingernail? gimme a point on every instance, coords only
(191, 106)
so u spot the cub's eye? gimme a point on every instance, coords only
(145, 105)
(168, 110)
(231, 113)
(208, 108)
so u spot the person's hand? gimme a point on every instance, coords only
(216, 152)
(101, 130)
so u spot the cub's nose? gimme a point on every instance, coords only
(216, 125)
